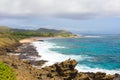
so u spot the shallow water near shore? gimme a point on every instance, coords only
(97, 54)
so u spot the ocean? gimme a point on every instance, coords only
(93, 53)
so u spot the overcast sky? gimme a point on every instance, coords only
(83, 16)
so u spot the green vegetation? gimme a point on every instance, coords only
(6, 73)
(22, 34)
(10, 37)
(42, 32)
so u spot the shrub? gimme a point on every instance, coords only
(6, 73)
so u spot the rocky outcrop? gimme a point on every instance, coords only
(8, 48)
(28, 53)
(27, 49)
(59, 71)
(93, 76)
(66, 71)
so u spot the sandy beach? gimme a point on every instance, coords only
(32, 39)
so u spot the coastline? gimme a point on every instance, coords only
(43, 51)
(44, 48)
(57, 71)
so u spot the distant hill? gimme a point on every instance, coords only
(52, 31)
(10, 37)
(42, 32)
(46, 32)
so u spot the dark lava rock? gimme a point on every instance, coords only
(41, 40)
(117, 77)
(35, 63)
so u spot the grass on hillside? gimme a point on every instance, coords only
(7, 43)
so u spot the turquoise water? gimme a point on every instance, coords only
(102, 53)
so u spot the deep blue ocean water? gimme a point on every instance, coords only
(97, 52)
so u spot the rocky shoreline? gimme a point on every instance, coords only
(22, 63)
(27, 52)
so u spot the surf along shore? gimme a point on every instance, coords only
(22, 60)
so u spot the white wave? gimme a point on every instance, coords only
(92, 36)
(52, 57)
(50, 45)
(83, 68)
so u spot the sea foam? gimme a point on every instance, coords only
(53, 57)
(88, 36)
(83, 68)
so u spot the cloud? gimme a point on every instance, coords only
(73, 9)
